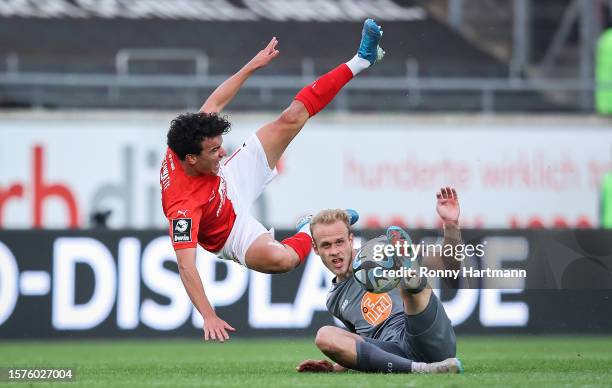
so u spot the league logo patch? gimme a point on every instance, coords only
(181, 230)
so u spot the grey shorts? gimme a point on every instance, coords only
(436, 343)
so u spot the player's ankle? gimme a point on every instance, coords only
(357, 64)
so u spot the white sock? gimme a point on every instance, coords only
(357, 64)
(418, 367)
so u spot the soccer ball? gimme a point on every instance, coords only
(365, 267)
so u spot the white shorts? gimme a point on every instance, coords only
(246, 173)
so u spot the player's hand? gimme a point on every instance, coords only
(216, 329)
(448, 205)
(265, 56)
(315, 366)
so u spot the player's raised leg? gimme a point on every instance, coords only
(414, 289)
(276, 136)
(430, 329)
(265, 254)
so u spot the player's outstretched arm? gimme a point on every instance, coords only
(228, 89)
(447, 207)
(214, 327)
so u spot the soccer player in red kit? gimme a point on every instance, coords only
(207, 201)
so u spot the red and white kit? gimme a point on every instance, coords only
(215, 210)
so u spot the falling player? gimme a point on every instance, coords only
(208, 202)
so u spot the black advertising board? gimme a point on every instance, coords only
(124, 283)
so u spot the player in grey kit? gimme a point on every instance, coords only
(403, 331)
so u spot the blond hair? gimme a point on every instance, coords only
(329, 216)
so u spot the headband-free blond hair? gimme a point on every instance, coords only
(329, 216)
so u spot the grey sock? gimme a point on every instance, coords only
(370, 358)
(421, 322)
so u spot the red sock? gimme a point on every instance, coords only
(317, 95)
(301, 243)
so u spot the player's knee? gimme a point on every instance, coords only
(284, 265)
(293, 117)
(325, 339)
(280, 262)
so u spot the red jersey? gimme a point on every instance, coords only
(197, 207)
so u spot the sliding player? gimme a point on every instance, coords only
(403, 331)
(208, 202)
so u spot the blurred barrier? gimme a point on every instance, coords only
(486, 95)
(125, 284)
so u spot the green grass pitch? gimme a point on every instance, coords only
(489, 361)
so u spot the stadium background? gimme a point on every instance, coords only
(509, 101)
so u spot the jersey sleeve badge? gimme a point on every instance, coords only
(181, 230)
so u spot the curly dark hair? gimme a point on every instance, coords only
(189, 129)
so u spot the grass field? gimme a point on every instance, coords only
(489, 361)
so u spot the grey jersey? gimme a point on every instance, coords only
(378, 316)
